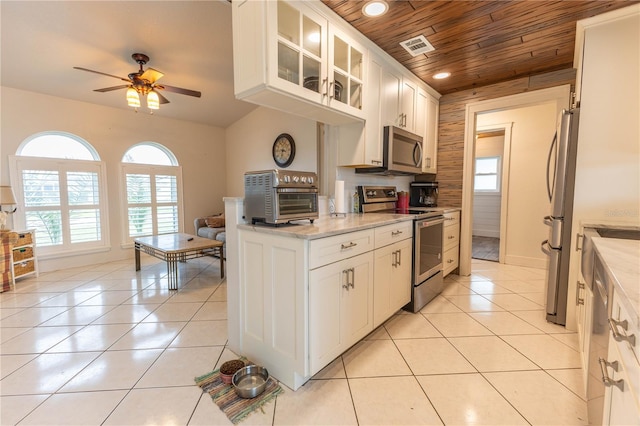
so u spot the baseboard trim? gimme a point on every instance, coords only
(530, 262)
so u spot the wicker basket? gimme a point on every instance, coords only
(22, 253)
(24, 239)
(23, 268)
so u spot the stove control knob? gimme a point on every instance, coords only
(286, 178)
(371, 193)
(296, 179)
(303, 179)
(310, 179)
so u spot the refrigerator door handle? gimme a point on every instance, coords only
(544, 248)
(551, 151)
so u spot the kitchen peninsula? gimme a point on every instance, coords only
(300, 295)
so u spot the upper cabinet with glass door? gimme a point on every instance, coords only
(288, 56)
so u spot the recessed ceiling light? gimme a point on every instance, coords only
(375, 8)
(441, 75)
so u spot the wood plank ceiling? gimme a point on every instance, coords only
(479, 42)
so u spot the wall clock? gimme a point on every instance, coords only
(284, 150)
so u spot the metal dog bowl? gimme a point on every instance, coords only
(250, 381)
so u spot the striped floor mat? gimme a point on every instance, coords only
(232, 405)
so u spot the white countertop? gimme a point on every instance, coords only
(622, 258)
(326, 226)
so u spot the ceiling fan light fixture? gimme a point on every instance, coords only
(441, 75)
(133, 100)
(375, 8)
(153, 101)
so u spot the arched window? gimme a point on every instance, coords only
(59, 182)
(152, 181)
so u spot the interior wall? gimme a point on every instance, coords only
(200, 150)
(250, 142)
(486, 205)
(451, 125)
(527, 200)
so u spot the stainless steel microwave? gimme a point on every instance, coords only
(402, 153)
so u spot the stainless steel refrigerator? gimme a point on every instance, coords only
(561, 172)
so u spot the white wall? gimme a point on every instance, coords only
(486, 205)
(250, 142)
(199, 149)
(532, 132)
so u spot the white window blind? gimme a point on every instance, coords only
(62, 200)
(152, 200)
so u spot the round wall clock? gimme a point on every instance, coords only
(284, 150)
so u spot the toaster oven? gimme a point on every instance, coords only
(279, 196)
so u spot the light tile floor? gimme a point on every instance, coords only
(107, 345)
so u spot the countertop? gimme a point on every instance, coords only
(327, 226)
(622, 258)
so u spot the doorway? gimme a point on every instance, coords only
(487, 193)
(475, 112)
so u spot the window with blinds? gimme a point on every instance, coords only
(152, 190)
(61, 183)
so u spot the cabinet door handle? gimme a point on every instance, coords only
(394, 261)
(346, 285)
(331, 90)
(351, 244)
(606, 380)
(579, 300)
(353, 277)
(579, 239)
(613, 325)
(450, 261)
(399, 257)
(450, 237)
(395, 233)
(324, 86)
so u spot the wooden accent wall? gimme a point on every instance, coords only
(452, 125)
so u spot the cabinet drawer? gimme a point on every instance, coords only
(22, 253)
(24, 239)
(452, 218)
(450, 260)
(388, 234)
(451, 236)
(23, 268)
(331, 249)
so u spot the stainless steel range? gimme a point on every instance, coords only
(427, 279)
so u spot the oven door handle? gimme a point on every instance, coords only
(421, 223)
(290, 189)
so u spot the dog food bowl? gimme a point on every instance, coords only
(250, 381)
(229, 368)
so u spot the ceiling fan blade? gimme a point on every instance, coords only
(180, 90)
(151, 75)
(108, 89)
(162, 99)
(103, 73)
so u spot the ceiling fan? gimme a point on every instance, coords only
(143, 82)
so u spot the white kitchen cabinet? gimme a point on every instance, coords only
(392, 267)
(392, 100)
(273, 311)
(430, 133)
(450, 242)
(392, 279)
(288, 56)
(622, 394)
(340, 307)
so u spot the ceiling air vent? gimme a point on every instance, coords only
(417, 45)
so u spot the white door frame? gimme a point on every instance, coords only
(504, 180)
(559, 94)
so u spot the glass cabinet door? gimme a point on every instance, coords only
(346, 73)
(301, 47)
